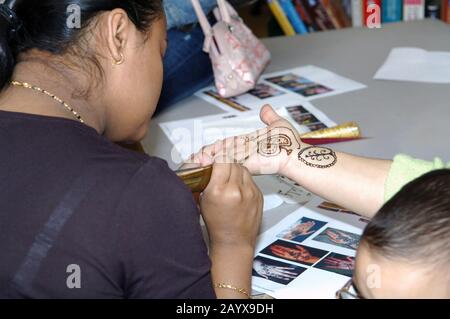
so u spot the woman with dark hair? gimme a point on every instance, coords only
(81, 217)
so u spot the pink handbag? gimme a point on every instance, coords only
(237, 56)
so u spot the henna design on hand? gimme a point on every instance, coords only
(318, 157)
(272, 144)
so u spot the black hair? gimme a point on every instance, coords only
(43, 25)
(415, 224)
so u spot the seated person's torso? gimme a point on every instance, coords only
(71, 200)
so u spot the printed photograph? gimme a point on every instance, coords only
(297, 110)
(337, 263)
(275, 271)
(307, 119)
(339, 238)
(299, 85)
(231, 102)
(336, 208)
(302, 116)
(301, 229)
(316, 126)
(291, 82)
(265, 91)
(294, 252)
(313, 90)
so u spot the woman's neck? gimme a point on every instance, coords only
(63, 85)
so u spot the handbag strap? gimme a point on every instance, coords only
(204, 23)
(225, 16)
(224, 12)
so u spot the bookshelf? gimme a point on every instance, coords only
(291, 17)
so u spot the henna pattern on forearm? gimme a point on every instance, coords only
(318, 157)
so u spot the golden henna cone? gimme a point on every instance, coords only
(346, 130)
(197, 179)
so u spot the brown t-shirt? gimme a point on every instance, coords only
(83, 218)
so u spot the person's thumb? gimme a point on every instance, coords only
(268, 115)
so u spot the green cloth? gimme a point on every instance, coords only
(404, 169)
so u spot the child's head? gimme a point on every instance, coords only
(405, 249)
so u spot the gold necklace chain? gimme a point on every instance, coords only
(57, 99)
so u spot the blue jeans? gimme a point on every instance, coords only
(187, 68)
(181, 12)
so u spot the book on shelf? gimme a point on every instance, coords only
(371, 7)
(330, 13)
(445, 11)
(413, 10)
(305, 16)
(391, 11)
(357, 13)
(281, 17)
(432, 9)
(319, 14)
(340, 12)
(293, 16)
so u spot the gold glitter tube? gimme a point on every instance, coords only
(346, 130)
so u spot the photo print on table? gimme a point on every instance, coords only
(337, 263)
(301, 229)
(316, 126)
(303, 117)
(264, 91)
(299, 85)
(275, 271)
(231, 102)
(339, 238)
(294, 252)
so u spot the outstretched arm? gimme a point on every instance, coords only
(354, 182)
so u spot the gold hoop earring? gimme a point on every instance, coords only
(122, 59)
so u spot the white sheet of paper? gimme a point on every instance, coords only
(190, 135)
(315, 280)
(281, 188)
(272, 201)
(284, 88)
(416, 65)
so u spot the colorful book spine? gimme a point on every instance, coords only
(391, 11)
(357, 13)
(326, 4)
(293, 16)
(319, 14)
(432, 9)
(413, 10)
(305, 15)
(368, 11)
(340, 13)
(279, 15)
(347, 5)
(445, 11)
